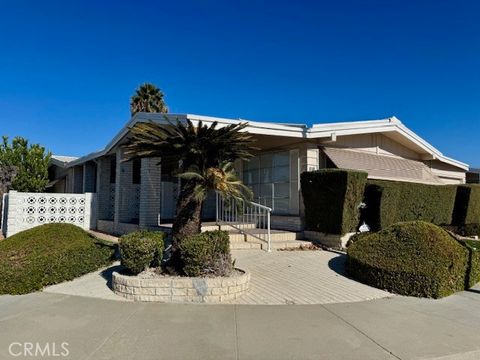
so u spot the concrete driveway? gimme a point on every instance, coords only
(278, 278)
(391, 328)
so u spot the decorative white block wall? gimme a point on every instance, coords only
(27, 210)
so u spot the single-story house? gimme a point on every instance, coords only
(142, 193)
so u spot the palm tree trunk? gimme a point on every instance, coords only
(188, 219)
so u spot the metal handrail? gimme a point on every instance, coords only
(241, 215)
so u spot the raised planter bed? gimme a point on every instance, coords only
(179, 289)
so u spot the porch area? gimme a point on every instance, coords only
(249, 238)
(142, 194)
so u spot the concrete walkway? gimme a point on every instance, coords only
(392, 328)
(300, 277)
(278, 278)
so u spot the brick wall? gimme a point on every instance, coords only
(150, 192)
(105, 190)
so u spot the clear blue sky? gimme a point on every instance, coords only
(68, 69)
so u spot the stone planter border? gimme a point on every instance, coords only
(178, 289)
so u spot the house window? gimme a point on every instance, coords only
(113, 169)
(268, 175)
(136, 171)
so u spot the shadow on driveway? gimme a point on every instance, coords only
(107, 273)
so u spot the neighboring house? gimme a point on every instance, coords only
(473, 176)
(61, 177)
(143, 193)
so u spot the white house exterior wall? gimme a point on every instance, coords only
(376, 144)
(448, 174)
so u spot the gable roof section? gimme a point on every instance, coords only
(390, 125)
(62, 161)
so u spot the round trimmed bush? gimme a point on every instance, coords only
(141, 249)
(206, 254)
(410, 258)
(49, 254)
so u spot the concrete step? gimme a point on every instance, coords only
(293, 244)
(226, 227)
(211, 226)
(255, 234)
(245, 246)
(275, 235)
(249, 245)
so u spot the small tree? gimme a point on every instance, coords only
(24, 166)
(206, 154)
(7, 174)
(148, 98)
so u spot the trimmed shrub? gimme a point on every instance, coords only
(389, 202)
(473, 274)
(49, 254)
(467, 205)
(411, 258)
(141, 249)
(332, 198)
(206, 254)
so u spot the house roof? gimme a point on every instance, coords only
(382, 167)
(61, 160)
(391, 126)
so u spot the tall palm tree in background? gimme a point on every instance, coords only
(148, 98)
(205, 154)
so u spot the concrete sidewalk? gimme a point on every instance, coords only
(392, 328)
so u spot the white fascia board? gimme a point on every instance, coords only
(328, 132)
(430, 148)
(254, 127)
(257, 127)
(352, 128)
(354, 124)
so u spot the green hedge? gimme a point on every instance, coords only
(473, 262)
(49, 254)
(141, 249)
(467, 205)
(331, 198)
(206, 254)
(389, 202)
(412, 258)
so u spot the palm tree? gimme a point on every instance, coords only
(205, 154)
(148, 98)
